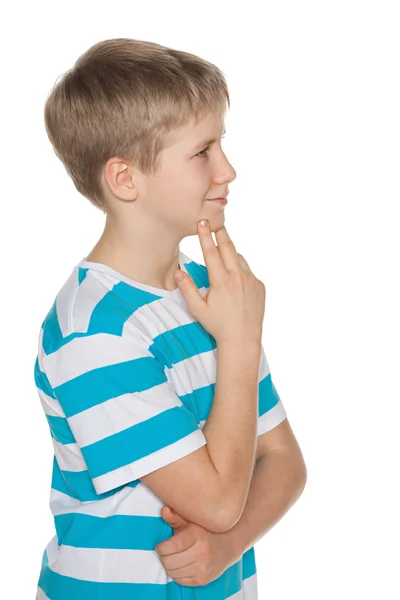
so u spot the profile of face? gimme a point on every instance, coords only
(193, 169)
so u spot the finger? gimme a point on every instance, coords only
(187, 581)
(188, 570)
(214, 263)
(227, 249)
(243, 263)
(172, 517)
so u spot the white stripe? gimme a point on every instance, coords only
(62, 503)
(41, 595)
(264, 369)
(52, 549)
(267, 421)
(118, 414)
(90, 293)
(51, 406)
(64, 303)
(128, 566)
(138, 501)
(201, 370)
(249, 590)
(194, 372)
(109, 565)
(158, 317)
(150, 463)
(271, 418)
(67, 363)
(69, 457)
(41, 353)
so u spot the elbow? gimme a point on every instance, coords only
(223, 520)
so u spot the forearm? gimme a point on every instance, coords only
(231, 426)
(278, 481)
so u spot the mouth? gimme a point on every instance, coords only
(222, 201)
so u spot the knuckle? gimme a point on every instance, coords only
(213, 252)
(228, 243)
(204, 551)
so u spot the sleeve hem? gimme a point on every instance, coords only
(271, 418)
(150, 463)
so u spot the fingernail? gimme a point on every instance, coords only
(179, 276)
(203, 223)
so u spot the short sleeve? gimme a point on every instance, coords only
(271, 411)
(125, 416)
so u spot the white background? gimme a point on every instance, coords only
(314, 135)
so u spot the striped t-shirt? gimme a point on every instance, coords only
(126, 378)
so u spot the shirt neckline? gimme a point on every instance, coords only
(97, 266)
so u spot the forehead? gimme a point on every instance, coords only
(195, 132)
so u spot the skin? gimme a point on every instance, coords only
(148, 216)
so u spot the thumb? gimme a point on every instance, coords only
(172, 518)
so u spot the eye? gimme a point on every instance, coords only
(201, 155)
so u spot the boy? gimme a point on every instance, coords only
(143, 410)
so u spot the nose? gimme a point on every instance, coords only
(226, 174)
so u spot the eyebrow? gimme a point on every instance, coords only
(207, 142)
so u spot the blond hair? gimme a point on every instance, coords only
(121, 98)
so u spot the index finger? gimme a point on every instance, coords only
(212, 256)
(227, 249)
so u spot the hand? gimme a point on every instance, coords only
(233, 307)
(194, 556)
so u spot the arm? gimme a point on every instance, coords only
(278, 481)
(210, 486)
(231, 426)
(194, 556)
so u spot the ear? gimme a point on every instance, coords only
(117, 176)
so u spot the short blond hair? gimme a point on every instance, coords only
(121, 98)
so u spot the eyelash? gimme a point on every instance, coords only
(205, 150)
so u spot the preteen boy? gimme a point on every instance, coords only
(156, 393)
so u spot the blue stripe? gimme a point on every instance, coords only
(45, 559)
(59, 587)
(52, 334)
(199, 401)
(123, 532)
(181, 343)
(110, 314)
(199, 274)
(268, 396)
(249, 563)
(79, 485)
(138, 441)
(41, 381)
(60, 430)
(135, 297)
(99, 385)
(53, 338)
(81, 274)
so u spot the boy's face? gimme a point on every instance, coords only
(189, 175)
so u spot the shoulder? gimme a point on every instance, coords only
(88, 303)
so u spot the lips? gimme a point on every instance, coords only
(218, 200)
